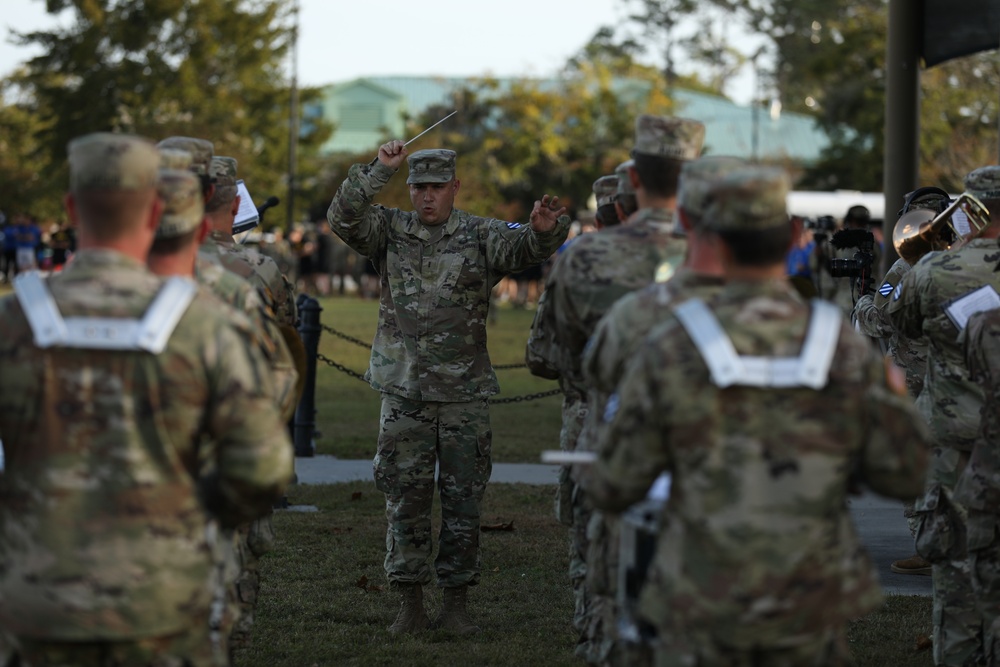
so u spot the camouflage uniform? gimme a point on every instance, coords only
(978, 488)
(950, 403)
(430, 362)
(104, 509)
(589, 277)
(743, 572)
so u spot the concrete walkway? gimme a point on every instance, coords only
(879, 521)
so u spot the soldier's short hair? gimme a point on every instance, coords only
(658, 175)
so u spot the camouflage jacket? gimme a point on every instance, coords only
(758, 547)
(950, 401)
(588, 278)
(241, 295)
(103, 519)
(256, 267)
(979, 486)
(620, 331)
(870, 314)
(431, 339)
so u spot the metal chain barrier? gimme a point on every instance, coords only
(495, 401)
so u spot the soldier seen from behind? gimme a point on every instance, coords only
(767, 412)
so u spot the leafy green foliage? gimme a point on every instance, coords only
(204, 68)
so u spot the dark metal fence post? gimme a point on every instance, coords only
(305, 411)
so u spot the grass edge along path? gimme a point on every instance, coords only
(324, 599)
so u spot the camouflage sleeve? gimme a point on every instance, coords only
(542, 353)
(511, 246)
(871, 320)
(971, 339)
(253, 453)
(352, 216)
(894, 458)
(608, 348)
(632, 448)
(904, 310)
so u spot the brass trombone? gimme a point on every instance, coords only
(920, 231)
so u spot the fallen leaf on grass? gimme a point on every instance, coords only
(924, 643)
(496, 569)
(508, 527)
(363, 584)
(356, 495)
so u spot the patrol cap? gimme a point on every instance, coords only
(432, 165)
(606, 190)
(666, 136)
(201, 151)
(175, 158)
(223, 170)
(984, 183)
(624, 182)
(747, 199)
(183, 205)
(109, 161)
(697, 177)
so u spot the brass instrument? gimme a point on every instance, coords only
(920, 231)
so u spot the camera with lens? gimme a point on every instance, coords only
(858, 266)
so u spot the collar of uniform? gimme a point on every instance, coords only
(423, 232)
(221, 238)
(93, 258)
(652, 214)
(744, 289)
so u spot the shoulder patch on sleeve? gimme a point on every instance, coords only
(885, 289)
(898, 292)
(610, 408)
(513, 225)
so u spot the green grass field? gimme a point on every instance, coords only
(324, 599)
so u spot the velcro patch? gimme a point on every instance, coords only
(885, 289)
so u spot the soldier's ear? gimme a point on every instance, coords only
(458, 184)
(69, 201)
(235, 207)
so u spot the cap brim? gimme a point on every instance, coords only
(417, 179)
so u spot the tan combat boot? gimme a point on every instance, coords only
(411, 617)
(454, 617)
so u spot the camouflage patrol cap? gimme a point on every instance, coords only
(201, 151)
(984, 183)
(606, 190)
(432, 165)
(624, 182)
(183, 205)
(223, 170)
(748, 198)
(109, 161)
(665, 136)
(696, 179)
(175, 158)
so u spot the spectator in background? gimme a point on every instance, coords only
(63, 244)
(27, 237)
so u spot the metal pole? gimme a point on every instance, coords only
(902, 113)
(305, 411)
(293, 118)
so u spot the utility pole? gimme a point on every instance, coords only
(293, 118)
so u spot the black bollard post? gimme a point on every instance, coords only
(305, 411)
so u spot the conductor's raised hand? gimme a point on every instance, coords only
(546, 213)
(392, 154)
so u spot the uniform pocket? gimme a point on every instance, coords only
(385, 467)
(940, 529)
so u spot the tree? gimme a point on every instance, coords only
(204, 68)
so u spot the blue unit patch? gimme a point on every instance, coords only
(513, 225)
(885, 289)
(898, 292)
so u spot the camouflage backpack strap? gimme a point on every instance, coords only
(728, 368)
(151, 333)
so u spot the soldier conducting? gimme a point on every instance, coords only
(429, 360)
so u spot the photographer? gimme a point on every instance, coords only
(839, 286)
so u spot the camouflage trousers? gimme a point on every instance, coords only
(413, 437)
(242, 578)
(984, 568)
(694, 649)
(192, 648)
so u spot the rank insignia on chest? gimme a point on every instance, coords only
(885, 289)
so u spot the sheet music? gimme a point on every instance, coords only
(246, 216)
(961, 309)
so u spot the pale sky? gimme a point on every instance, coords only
(340, 41)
